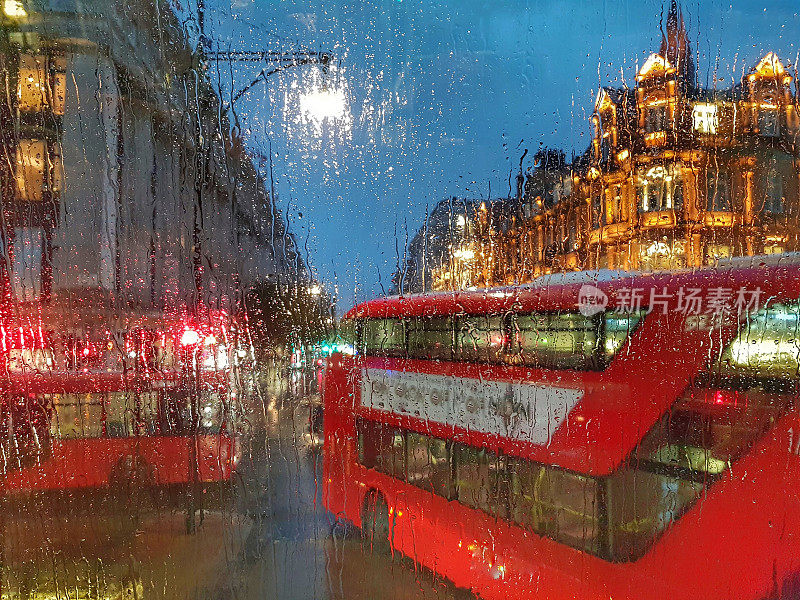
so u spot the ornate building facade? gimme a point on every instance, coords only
(442, 254)
(677, 176)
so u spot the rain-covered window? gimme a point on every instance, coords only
(399, 299)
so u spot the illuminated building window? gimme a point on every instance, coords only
(41, 83)
(718, 251)
(32, 83)
(38, 170)
(31, 169)
(718, 190)
(614, 205)
(768, 121)
(606, 126)
(655, 119)
(27, 263)
(663, 254)
(659, 188)
(705, 119)
(606, 119)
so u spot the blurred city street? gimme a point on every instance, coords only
(271, 538)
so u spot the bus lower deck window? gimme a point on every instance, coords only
(381, 447)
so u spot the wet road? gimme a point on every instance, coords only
(272, 539)
(294, 549)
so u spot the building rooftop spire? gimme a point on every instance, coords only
(675, 45)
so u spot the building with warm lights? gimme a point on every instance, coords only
(677, 176)
(123, 193)
(442, 254)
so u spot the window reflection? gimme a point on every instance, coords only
(33, 85)
(31, 169)
(38, 170)
(41, 84)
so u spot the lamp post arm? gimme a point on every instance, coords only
(282, 61)
(261, 77)
(296, 56)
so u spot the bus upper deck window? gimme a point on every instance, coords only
(480, 338)
(431, 338)
(384, 337)
(617, 328)
(555, 341)
(767, 347)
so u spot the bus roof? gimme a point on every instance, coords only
(558, 291)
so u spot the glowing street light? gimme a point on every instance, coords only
(323, 104)
(278, 61)
(14, 8)
(464, 254)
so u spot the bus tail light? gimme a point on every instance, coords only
(722, 397)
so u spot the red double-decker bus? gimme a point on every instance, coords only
(148, 405)
(589, 435)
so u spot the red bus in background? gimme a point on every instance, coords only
(589, 435)
(148, 405)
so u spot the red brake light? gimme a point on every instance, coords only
(724, 398)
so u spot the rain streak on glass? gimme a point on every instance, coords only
(399, 300)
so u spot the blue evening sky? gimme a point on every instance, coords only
(443, 98)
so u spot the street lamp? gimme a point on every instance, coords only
(14, 9)
(323, 104)
(280, 61)
(319, 105)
